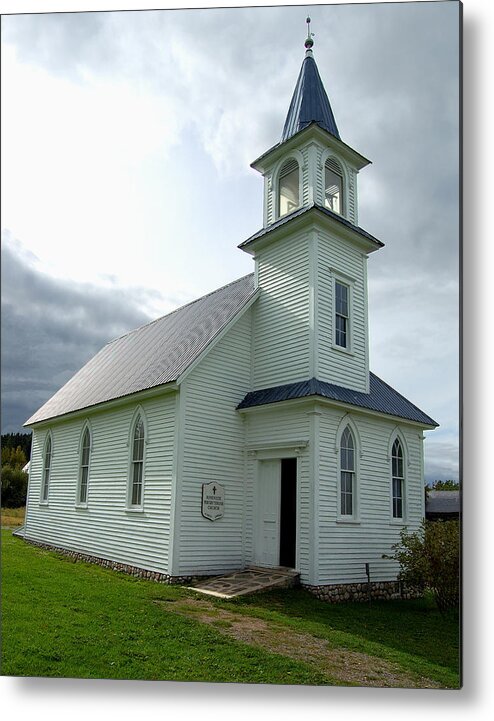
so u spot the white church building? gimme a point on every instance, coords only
(245, 428)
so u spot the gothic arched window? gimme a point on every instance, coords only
(137, 463)
(347, 473)
(398, 479)
(84, 467)
(289, 187)
(46, 468)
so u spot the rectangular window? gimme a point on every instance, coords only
(346, 493)
(342, 314)
(397, 498)
(137, 483)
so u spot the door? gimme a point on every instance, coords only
(277, 513)
(268, 497)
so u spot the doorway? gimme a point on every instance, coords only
(277, 513)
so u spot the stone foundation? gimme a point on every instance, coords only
(115, 566)
(379, 590)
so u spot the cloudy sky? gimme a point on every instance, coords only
(126, 186)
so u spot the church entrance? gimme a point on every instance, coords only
(277, 513)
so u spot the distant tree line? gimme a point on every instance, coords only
(13, 440)
(16, 451)
(445, 486)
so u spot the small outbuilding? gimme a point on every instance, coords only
(442, 505)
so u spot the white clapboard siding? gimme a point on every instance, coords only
(334, 365)
(281, 426)
(213, 450)
(281, 315)
(105, 528)
(343, 548)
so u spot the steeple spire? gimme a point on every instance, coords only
(309, 103)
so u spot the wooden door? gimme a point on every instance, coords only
(268, 537)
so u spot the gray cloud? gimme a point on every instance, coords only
(51, 327)
(392, 74)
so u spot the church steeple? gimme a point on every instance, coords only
(311, 165)
(310, 103)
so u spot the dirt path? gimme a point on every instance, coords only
(347, 667)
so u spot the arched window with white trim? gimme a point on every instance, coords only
(347, 473)
(398, 480)
(137, 464)
(288, 187)
(82, 491)
(333, 186)
(47, 459)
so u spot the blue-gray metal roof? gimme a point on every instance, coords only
(442, 502)
(381, 398)
(155, 354)
(306, 209)
(309, 102)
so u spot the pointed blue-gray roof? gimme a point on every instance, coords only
(309, 103)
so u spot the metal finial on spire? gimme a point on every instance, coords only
(309, 41)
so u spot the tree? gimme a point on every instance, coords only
(446, 486)
(14, 487)
(14, 479)
(430, 558)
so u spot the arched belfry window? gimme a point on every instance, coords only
(398, 479)
(333, 186)
(289, 187)
(347, 473)
(137, 463)
(46, 469)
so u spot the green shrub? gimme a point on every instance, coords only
(14, 487)
(430, 558)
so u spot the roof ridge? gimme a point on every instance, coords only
(176, 310)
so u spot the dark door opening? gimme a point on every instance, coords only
(288, 512)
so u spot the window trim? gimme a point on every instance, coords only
(44, 496)
(136, 507)
(298, 158)
(348, 282)
(397, 435)
(353, 519)
(85, 428)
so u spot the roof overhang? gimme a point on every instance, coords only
(314, 216)
(330, 402)
(106, 405)
(311, 132)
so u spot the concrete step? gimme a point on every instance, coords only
(254, 579)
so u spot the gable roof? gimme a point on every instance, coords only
(152, 355)
(309, 102)
(381, 398)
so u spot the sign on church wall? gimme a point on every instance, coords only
(213, 500)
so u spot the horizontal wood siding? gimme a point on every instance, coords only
(344, 549)
(280, 426)
(334, 365)
(105, 528)
(213, 450)
(281, 315)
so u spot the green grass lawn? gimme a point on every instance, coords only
(67, 619)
